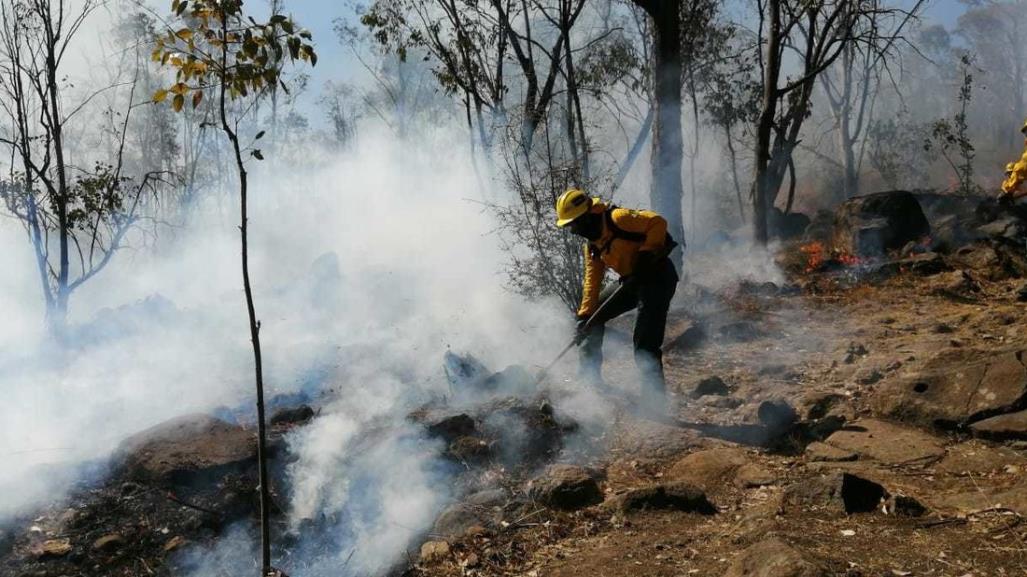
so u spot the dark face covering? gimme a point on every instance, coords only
(589, 226)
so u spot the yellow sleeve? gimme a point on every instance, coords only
(595, 268)
(1017, 175)
(647, 222)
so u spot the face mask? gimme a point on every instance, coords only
(589, 226)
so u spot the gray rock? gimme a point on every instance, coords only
(818, 451)
(566, 487)
(711, 386)
(1003, 427)
(187, 450)
(836, 492)
(955, 387)
(872, 224)
(710, 469)
(774, 558)
(888, 443)
(675, 496)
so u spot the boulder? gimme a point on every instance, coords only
(189, 449)
(887, 443)
(674, 496)
(434, 551)
(292, 415)
(837, 493)
(449, 426)
(823, 452)
(774, 558)
(457, 519)
(751, 475)
(955, 387)
(710, 386)
(777, 415)
(1014, 499)
(566, 487)
(992, 259)
(873, 224)
(51, 548)
(710, 469)
(1002, 427)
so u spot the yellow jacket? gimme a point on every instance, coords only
(618, 253)
(1017, 174)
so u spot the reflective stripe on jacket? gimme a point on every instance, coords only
(618, 254)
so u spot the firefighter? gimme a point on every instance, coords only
(1016, 173)
(635, 244)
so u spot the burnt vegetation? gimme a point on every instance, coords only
(846, 356)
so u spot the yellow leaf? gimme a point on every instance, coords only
(176, 61)
(160, 95)
(197, 97)
(178, 102)
(179, 88)
(185, 34)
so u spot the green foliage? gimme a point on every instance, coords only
(951, 137)
(99, 195)
(218, 48)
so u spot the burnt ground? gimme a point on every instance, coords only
(883, 469)
(830, 349)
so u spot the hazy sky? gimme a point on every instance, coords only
(335, 62)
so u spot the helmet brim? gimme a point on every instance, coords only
(565, 221)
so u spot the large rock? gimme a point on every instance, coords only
(774, 558)
(992, 259)
(1002, 427)
(710, 469)
(1014, 499)
(189, 449)
(888, 443)
(566, 487)
(872, 224)
(675, 496)
(956, 387)
(837, 493)
(457, 519)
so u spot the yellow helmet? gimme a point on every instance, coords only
(1023, 128)
(571, 205)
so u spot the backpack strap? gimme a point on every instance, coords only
(619, 232)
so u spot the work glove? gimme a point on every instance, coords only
(581, 329)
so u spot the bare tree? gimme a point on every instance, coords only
(76, 217)
(852, 84)
(814, 35)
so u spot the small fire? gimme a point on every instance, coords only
(814, 252)
(818, 257)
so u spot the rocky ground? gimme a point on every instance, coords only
(866, 418)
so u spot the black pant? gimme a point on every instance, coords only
(652, 296)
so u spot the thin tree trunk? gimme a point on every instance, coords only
(734, 170)
(57, 315)
(265, 493)
(765, 126)
(666, 192)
